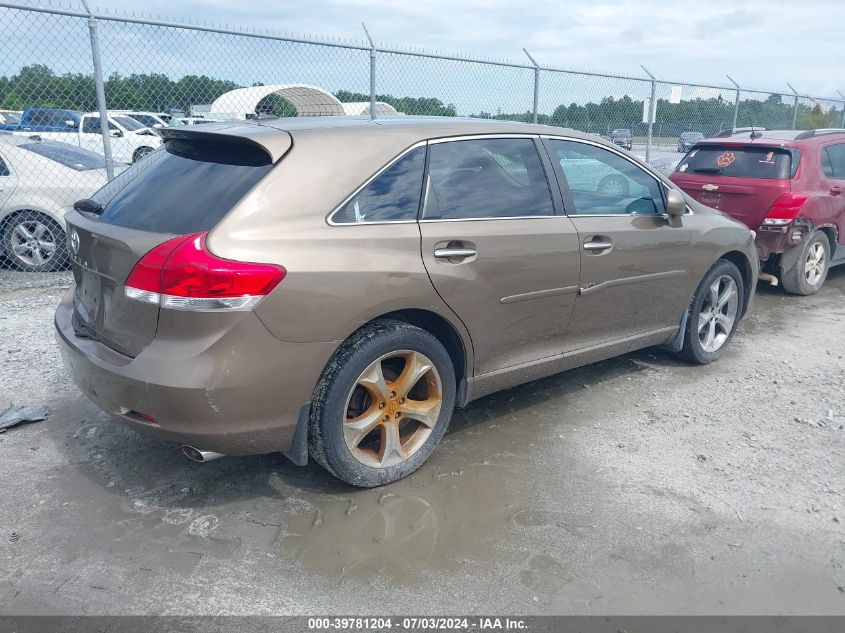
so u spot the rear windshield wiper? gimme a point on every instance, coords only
(86, 205)
(708, 170)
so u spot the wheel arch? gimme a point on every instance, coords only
(741, 261)
(832, 233)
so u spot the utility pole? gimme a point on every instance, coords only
(536, 84)
(794, 107)
(736, 102)
(100, 91)
(372, 73)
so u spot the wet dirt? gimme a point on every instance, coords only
(636, 485)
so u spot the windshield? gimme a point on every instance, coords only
(742, 162)
(68, 155)
(160, 192)
(128, 123)
(11, 118)
(692, 136)
(621, 132)
(147, 120)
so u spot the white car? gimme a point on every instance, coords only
(130, 139)
(150, 119)
(39, 182)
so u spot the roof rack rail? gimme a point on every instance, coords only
(738, 130)
(819, 132)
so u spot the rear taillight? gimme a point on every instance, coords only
(785, 209)
(183, 275)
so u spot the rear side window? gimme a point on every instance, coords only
(486, 178)
(772, 163)
(834, 161)
(68, 155)
(4, 170)
(393, 195)
(184, 187)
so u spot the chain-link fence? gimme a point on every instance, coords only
(65, 68)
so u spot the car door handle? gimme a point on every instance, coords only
(835, 190)
(597, 246)
(457, 253)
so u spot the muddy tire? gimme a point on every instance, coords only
(382, 404)
(804, 267)
(34, 242)
(714, 313)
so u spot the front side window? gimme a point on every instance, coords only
(834, 161)
(4, 170)
(602, 182)
(486, 178)
(393, 195)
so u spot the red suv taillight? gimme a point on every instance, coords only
(785, 209)
(181, 274)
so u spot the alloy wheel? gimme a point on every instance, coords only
(718, 313)
(33, 242)
(392, 408)
(814, 266)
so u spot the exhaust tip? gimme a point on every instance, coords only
(198, 455)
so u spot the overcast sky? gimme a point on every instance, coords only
(761, 43)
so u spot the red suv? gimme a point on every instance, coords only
(787, 186)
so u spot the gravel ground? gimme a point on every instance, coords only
(636, 485)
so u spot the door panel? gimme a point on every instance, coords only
(634, 260)
(8, 182)
(639, 284)
(516, 294)
(495, 250)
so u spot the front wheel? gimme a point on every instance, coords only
(382, 404)
(34, 242)
(714, 313)
(140, 153)
(805, 266)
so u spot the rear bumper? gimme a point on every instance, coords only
(238, 392)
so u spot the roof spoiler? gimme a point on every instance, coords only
(274, 143)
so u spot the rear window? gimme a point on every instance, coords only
(68, 155)
(183, 187)
(741, 162)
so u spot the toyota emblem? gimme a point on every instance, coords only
(74, 242)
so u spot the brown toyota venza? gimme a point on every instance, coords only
(337, 286)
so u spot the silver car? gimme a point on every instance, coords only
(39, 182)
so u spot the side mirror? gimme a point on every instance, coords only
(115, 133)
(70, 123)
(676, 204)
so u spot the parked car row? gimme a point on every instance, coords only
(130, 139)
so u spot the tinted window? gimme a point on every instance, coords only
(145, 119)
(4, 171)
(486, 178)
(129, 123)
(741, 162)
(91, 124)
(183, 187)
(392, 195)
(68, 155)
(835, 163)
(602, 182)
(12, 119)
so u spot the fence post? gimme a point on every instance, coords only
(372, 73)
(536, 84)
(736, 102)
(843, 109)
(652, 112)
(794, 107)
(100, 90)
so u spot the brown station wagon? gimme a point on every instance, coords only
(337, 286)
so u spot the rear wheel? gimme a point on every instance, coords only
(382, 404)
(714, 313)
(805, 266)
(34, 242)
